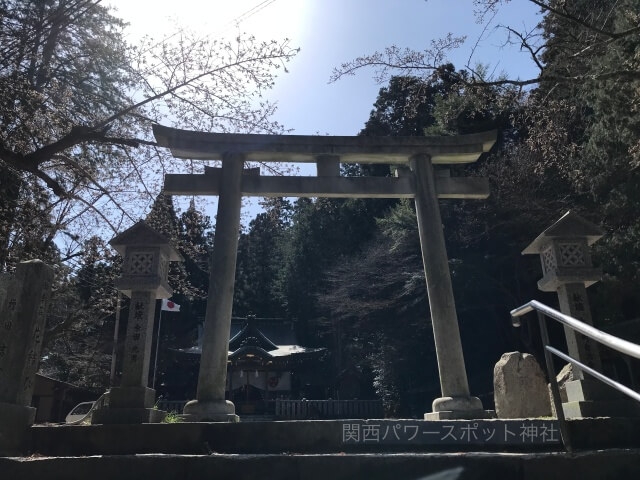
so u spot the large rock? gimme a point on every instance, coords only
(519, 386)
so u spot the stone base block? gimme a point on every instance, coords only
(15, 421)
(132, 397)
(110, 416)
(460, 415)
(589, 389)
(600, 408)
(223, 417)
(210, 411)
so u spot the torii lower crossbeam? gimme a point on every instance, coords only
(331, 187)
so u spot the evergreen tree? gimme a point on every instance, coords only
(77, 344)
(260, 260)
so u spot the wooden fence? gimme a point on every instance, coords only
(174, 406)
(306, 409)
(326, 409)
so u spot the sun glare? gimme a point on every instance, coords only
(266, 19)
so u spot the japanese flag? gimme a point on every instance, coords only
(169, 306)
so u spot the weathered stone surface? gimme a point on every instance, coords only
(15, 421)
(520, 388)
(137, 345)
(322, 436)
(592, 465)
(125, 416)
(565, 375)
(454, 386)
(5, 280)
(306, 148)
(132, 397)
(23, 306)
(146, 266)
(210, 396)
(23, 317)
(327, 186)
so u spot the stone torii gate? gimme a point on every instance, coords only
(421, 181)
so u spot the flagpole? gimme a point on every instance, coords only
(114, 350)
(155, 364)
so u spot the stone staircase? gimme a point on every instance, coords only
(317, 449)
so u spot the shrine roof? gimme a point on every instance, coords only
(267, 339)
(306, 148)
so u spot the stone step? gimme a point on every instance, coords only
(590, 389)
(588, 465)
(602, 408)
(331, 436)
(257, 418)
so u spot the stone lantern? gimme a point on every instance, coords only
(568, 270)
(145, 269)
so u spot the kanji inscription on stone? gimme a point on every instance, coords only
(138, 341)
(23, 320)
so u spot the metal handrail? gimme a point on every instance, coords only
(594, 373)
(611, 341)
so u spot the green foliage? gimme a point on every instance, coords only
(565, 145)
(261, 255)
(173, 417)
(77, 342)
(378, 297)
(584, 137)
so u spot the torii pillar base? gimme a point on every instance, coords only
(212, 411)
(458, 408)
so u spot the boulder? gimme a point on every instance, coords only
(520, 388)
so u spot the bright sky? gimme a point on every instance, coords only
(330, 32)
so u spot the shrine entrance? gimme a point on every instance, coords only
(416, 178)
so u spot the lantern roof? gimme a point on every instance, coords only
(570, 225)
(142, 235)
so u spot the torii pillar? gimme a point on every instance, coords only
(230, 183)
(456, 401)
(210, 403)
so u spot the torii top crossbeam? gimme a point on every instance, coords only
(307, 148)
(327, 152)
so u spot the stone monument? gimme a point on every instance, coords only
(568, 270)
(519, 387)
(23, 308)
(145, 270)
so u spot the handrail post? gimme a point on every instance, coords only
(555, 389)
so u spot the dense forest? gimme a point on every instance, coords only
(349, 272)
